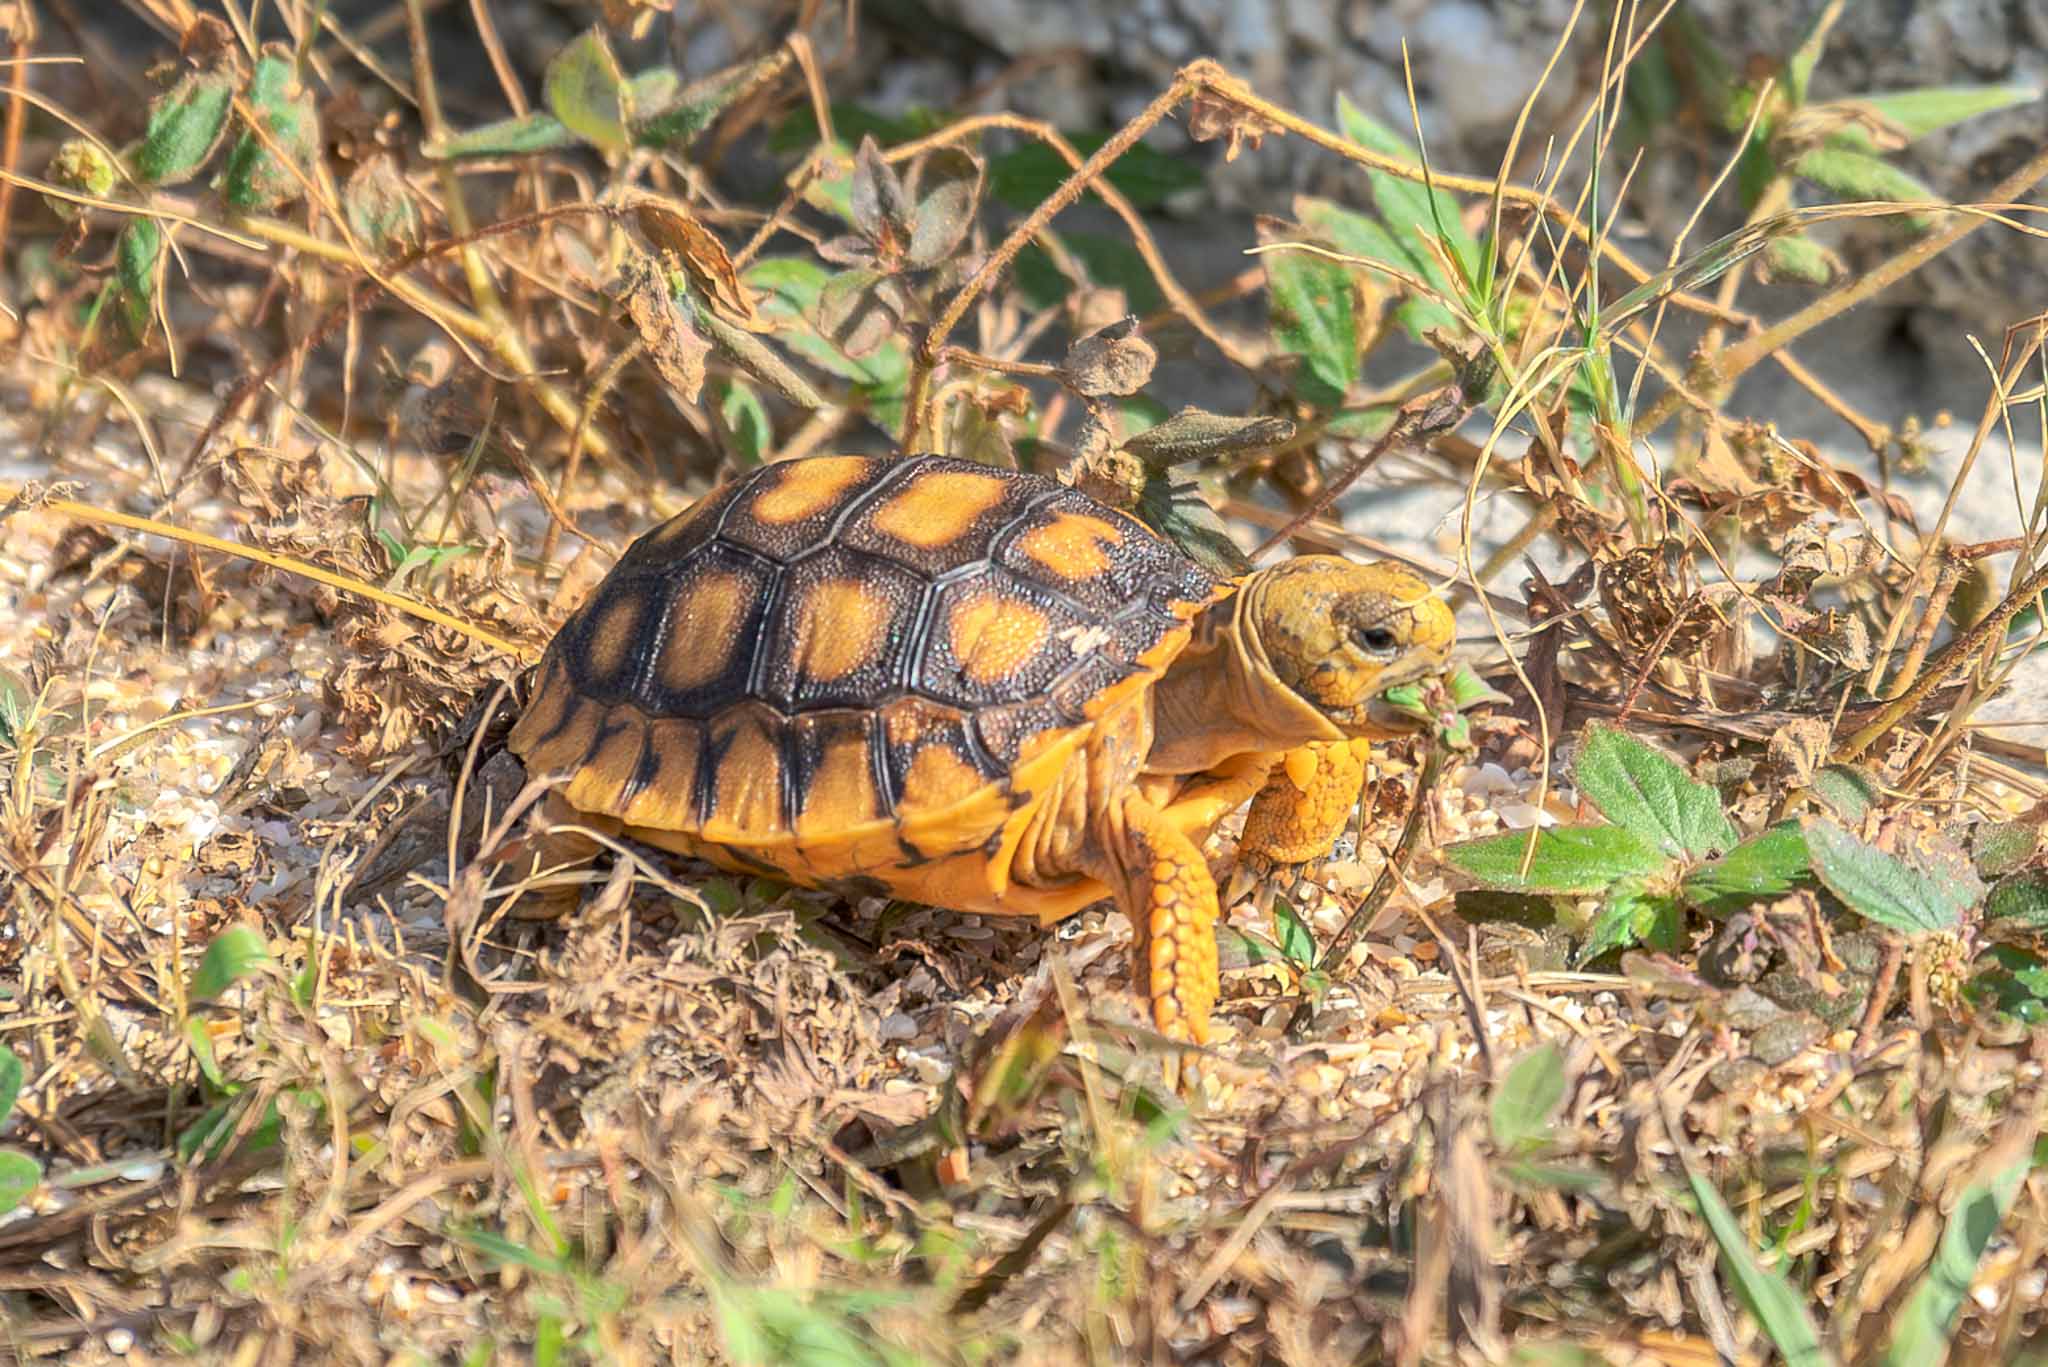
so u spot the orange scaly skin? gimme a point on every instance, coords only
(1164, 884)
(1304, 806)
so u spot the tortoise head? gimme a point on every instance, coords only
(1339, 634)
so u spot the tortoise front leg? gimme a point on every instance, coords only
(1304, 806)
(1163, 884)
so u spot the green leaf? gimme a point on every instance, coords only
(135, 254)
(20, 1175)
(1409, 206)
(1177, 511)
(1107, 261)
(1765, 865)
(2022, 898)
(200, 1042)
(234, 954)
(747, 419)
(381, 209)
(852, 122)
(1999, 847)
(1026, 178)
(1799, 257)
(948, 193)
(1569, 859)
(1297, 941)
(1883, 889)
(1777, 1305)
(1356, 235)
(1313, 312)
(1192, 435)
(1847, 790)
(1633, 917)
(255, 179)
(1640, 788)
(1854, 174)
(1921, 1333)
(671, 117)
(185, 125)
(1929, 109)
(515, 137)
(11, 1073)
(585, 89)
(1526, 1101)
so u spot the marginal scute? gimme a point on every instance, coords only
(836, 775)
(605, 781)
(666, 797)
(749, 781)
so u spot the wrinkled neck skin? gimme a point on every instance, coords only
(1221, 697)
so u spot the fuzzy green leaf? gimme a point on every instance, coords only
(11, 1073)
(1527, 1099)
(234, 954)
(381, 208)
(135, 254)
(185, 125)
(1777, 1305)
(1884, 889)
(1922, 1331)
(1177, 511)
(2021, 899)
(255, 179)
(947, 197)
(1569, 859)
(1799, 257)
(1999, 847)
(20, 1175)
(1632, 917)
(1929, 109)
(1639, 787)
(1297, 942)
(1847, 790)
(1356, 235)
(1314, 315)
(588, 92)
(1193, 434)
(747, 419)
(516, 137)
(1409, 206)
(1855, 174)
(1766, 865)
(672, 115)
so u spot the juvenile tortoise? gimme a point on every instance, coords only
(975, 689)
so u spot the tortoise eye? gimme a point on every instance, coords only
(1378, 640)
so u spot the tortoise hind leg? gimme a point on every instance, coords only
(1163, 884)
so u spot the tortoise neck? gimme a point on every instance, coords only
(1220, 697)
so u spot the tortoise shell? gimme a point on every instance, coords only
(839, 664)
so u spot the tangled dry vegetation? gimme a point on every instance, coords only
(1681, 1001)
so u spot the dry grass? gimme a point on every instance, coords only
(301, 1091)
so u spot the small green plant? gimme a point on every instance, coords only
(1666, 847)
(20, 1173)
